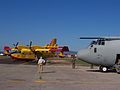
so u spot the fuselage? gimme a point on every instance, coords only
(103, 53)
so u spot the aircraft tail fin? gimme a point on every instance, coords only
(7, 48)
(53, 42)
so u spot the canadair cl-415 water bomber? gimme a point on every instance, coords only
(103, 51)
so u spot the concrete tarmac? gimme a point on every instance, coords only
(24, 76)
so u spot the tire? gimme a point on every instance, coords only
(103, 68)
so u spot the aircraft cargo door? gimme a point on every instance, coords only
(117, 59)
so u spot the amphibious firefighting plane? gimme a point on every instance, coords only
(29, 52)
(103, 51)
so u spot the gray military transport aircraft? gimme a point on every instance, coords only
(103, 51)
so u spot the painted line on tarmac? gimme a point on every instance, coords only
(64, 82)
(76, 82)
(40, 81)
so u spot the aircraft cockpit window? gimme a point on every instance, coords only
(93, 43)
(101, 42)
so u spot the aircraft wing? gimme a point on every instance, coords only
(101, 38)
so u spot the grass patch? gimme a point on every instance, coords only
(78, 62)
(49, 61)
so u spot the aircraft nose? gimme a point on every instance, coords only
(82, 54)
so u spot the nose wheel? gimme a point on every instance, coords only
(103, 68)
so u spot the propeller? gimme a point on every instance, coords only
(16, 45)
(30, 45)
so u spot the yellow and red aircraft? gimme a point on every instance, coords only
(21, 52)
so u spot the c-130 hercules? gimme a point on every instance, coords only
(104, 51)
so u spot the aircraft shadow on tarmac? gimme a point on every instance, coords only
(109, 71)
(11, 61)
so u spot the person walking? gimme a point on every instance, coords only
(41, 61)
(73, 61)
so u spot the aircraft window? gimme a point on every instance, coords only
(93, 42)
(91, 45)
(95, 50)
(101, 42)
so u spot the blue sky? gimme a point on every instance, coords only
(67, 20)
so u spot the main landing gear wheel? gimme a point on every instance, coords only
(103, 69)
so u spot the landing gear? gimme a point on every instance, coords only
(117, 67)
(103, 68)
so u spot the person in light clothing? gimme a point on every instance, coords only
(41, 61)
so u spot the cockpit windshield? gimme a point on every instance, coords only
(93, 42)
(97, 42)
